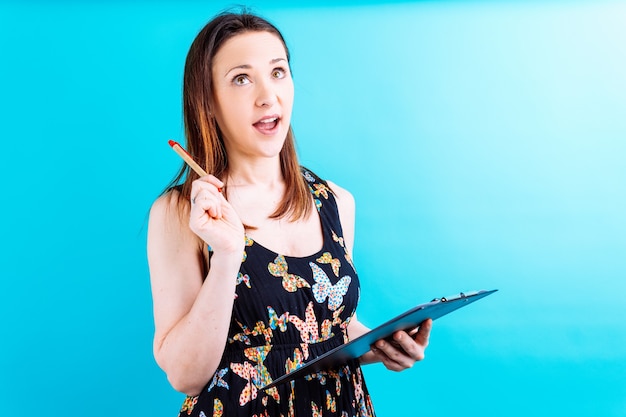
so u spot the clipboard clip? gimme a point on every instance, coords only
(457, 297)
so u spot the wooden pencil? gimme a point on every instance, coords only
(187, 158)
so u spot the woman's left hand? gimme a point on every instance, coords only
(404, 349)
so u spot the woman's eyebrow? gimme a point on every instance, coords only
(243, 66)
(248, 66)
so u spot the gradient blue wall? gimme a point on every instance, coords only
(484, 143)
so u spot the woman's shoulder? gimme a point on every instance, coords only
(169, 215)
(345, 200)
(168, 223)
(341, 194)
(166, 204)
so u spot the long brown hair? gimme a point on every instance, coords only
(204, 139)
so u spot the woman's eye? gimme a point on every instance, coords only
(241, 80)
(279, 73)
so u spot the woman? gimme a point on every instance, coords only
(250, 266)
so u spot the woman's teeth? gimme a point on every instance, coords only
(267, 125)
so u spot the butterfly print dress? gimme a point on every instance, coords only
(289, 310)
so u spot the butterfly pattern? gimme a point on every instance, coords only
(310, 329)
(188, 405)
(242, 278)
(247, 372)
(218, 408)
(276, 322)
(331, 402)
(258, 355)
(330, 375)
(291, 282)
(327, 258)
(320, 189)
(338, 239)
(298, 361)
(308, 176)
(248, 242)
(362, 399)
(218, 379)
(328, 324)
(315, 410)
(323, 288)
(286, 311)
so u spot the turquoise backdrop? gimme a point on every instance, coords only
(484, 142)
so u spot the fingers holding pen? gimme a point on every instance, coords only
(212, 218)
(206, 204)
(206, 197)
(204, 182)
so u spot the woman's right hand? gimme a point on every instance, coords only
(192, 303)
(212, 217)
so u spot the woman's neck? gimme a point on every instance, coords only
(263, 172)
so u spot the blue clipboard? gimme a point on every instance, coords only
(406, 321)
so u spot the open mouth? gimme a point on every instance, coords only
(267, 125)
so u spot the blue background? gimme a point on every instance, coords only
(484, 143)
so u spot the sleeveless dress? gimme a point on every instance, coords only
(289, 310)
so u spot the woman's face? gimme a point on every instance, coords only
(253, 94)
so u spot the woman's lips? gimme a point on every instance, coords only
(267, 125)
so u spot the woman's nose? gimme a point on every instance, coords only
(266, 95)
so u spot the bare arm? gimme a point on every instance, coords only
(192, 311)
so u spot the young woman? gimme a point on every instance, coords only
(250, 266)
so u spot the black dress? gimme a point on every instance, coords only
(288, 310)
